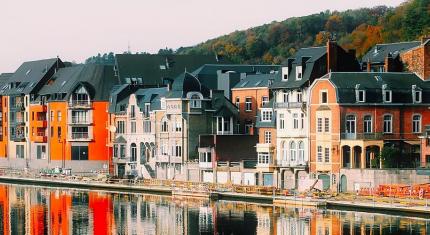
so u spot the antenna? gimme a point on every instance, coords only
(128, 47)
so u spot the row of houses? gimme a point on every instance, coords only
(323, 117)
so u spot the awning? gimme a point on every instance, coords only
(413, 142)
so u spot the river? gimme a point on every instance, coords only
(38, 210)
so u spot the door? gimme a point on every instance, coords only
(267, 179)
(350, 127)
(343, 184)
(325, 181)
(121, 170)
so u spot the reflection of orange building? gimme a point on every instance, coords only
(37, 219)
(4, 209)
(327, 224)
(101, 206)
(60, 205)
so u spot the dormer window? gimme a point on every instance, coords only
(147, 109)
(195, 101)
(361, 96)
(387, 95)
(284, 73)
(416, 94)
(323, 97)
(266, 115)
(163, 103)
(299, 72)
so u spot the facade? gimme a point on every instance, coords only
(228, 159)
(355, 115)
(249, 95)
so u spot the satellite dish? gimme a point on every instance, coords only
(112, 129)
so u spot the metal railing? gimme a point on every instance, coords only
(77, 120)
(79, 103)
(361, 136)
(290, 105)
(80, 135)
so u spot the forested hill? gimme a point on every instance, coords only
(353, 29)
(358, 29)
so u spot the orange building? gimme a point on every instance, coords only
(249, 95)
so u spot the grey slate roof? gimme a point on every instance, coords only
(257, 80)
(154, 68)
(98, 79)
(4, 82)
(399, 83)
(31, 75)
(379, 52)
(184, 83)
(222, 106)
(120, 95)
(309, 57)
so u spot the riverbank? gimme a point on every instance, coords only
(275, 200)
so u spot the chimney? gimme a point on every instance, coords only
(332, 48)
(388, 63)
(368, 66)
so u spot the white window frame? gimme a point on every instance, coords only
(281, 121)
(319, 125)
(367, 124)
(326, 124)
(326, 154)
(388, 124)
(264, 100)
(416, 124)
(284, 73)
(266, 115)
(299, 71)
(267, 137)
(417, 94)
(389, 98)
(363, 97)
(319, 153)
(321, 96)
(248, 104)
(295, 121)
(263, 158)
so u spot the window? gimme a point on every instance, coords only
(41, 152)
(147, 109)
(416, 123)
(417, 96)
(164, 126)
(285, 97)
(80, 116)
(319, 124)
(133, 152)
(178, 126)
(177, 151)
(133, 127)
(323, 97)
(367, 124)
(299, 97)
(147, 126)
(120, 127)
(195, 101)
(387, 95)
(248, 104)
(122, 151)
(163, 103)
(301, 151)
(350, 124)
(59, 116)
(388, 123)
(163, 149)
(292, 151)
(248, 128)
(281, 121)
(295, 120)
(266, 115)
(19, 151)
(284, 73)
(299, 72)
(237, 102)
(263, 158)
(326, 124)
(327, 154)
(302, 120)
(52, 116)
(267, 137)
(79, 153)
(205, 157)
(80, 132)
(59, 132)
(361, 96)
(264, 100)
(319, 154)
(132, 111)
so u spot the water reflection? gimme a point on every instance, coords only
(34, 210)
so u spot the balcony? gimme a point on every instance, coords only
(290, 105)
(80, 136)
(121, 160)
(361, 136)
(79, 121)
(205, 164)
(292, 164)
(18, 137)
(162, 158)
(40, 138)
(41, 123)
(80, 104)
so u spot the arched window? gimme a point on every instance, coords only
(133, 151)
(388, 123)
(292, 151)
(196, 102)
(142, 153)
(301, 151)
(164, 125)
(416, 123)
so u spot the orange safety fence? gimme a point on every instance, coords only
(418, 191)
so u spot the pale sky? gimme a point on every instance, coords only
(78, 29)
